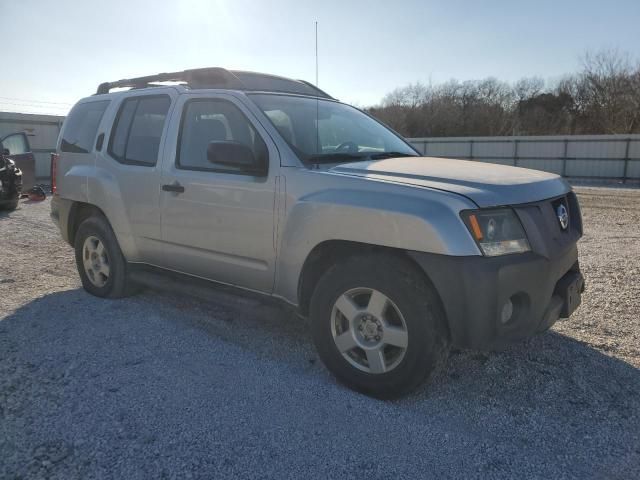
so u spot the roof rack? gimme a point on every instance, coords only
(196, 78)
(215, 77)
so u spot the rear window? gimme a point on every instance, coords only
(135, 137)
(81, 127)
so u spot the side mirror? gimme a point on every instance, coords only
(234, 154)
(5, 151)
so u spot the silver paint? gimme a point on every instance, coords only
(256, 233)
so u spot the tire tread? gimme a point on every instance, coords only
(408, 282)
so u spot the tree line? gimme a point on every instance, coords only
(602, 98)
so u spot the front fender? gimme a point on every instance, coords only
(422, 220)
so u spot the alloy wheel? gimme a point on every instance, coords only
(369, 330)
(95, 261)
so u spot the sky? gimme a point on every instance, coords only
(58, 51)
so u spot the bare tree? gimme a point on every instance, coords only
(610, 93)
(604, 97)
(527, 88)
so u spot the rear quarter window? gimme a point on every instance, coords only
(81, 126)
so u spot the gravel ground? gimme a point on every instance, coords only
(163, 386)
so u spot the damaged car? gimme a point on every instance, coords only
(10, 174)
(271, 185)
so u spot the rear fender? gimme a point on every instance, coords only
(105, 194)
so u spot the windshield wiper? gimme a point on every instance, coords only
(334, 157)
(378, 156)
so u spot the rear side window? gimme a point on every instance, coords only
(135, 137)
(81, 127)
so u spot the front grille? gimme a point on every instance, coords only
(562, 205)
(540, 220)
(570, 203)
(575, 216)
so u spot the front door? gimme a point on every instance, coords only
(218, 222)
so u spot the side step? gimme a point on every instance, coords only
(206, 290)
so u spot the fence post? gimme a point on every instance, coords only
(626, 161)
(424, 148)
(564, 157)
(470, 149)
(515, 152)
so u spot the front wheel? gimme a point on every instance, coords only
(377, 325)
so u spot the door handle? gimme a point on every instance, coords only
(174, 187)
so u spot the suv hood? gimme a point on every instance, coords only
(486, 184)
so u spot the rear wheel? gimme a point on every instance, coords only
(100, 263)
(377, 325)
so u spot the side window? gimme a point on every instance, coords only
(121, 129)
(16, 144)
(205, 121)
(135, 137)
(81, 126)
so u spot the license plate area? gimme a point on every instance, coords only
(570, 288)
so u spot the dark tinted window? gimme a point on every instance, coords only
(205, 121)
(123, 122)
(136, 135)
(81, 127)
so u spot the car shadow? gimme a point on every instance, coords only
(6, 214)
(143, 374)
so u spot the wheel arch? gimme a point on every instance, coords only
(329, 252)
(78, 213)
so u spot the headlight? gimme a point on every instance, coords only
(496, 231)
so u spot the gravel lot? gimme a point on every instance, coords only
(163, 386)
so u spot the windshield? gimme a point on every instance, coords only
(322, 130)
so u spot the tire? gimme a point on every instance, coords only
(11, 205)
(108, 270)
(412, 306)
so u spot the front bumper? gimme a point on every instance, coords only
(543, 285)
(474, 290)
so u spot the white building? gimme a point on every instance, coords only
(42, 132)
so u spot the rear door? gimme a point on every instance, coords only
(221, 225)
(20, 152)
(129, 171)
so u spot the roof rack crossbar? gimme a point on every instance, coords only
(195, 78)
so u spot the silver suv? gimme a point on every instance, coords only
(270, 185)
